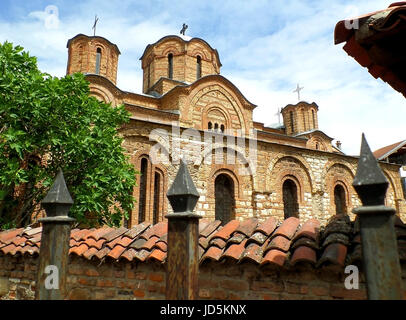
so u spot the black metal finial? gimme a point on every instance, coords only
(370, 182)
(58, 200)
(183, 195)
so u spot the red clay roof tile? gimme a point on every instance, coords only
(252, 252)
(310, 229)
(268, 226)
(158, 255)
(150, 243)
(335, 253)
(258, 237)
(214, 253)
(211, 227)
(235, 251)
(303, 254)
(288, 228)
(279, 242)
(116, 252)
(237, 241)
(274, 256)
(90, 253)
(138, 229)
(114, 234)
(220, 243)
(247, 227)
(228, 229)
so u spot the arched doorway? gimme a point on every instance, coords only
(224, 198)
(339, 199)
(290, 202)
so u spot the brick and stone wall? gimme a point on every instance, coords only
(125, 280)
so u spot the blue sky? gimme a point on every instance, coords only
(266, 48)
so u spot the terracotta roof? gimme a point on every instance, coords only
(386, 151)
(284, 244)
(375, 25)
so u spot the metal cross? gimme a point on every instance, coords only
(96, 19)
(298, 89)
(184, 27)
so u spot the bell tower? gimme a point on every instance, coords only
(93, 55)
(301, 117)
(174, 60)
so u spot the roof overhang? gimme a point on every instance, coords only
(376, 41)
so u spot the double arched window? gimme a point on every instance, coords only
(151, 192)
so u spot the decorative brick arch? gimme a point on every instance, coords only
(202, 91)
(305, 169)
(339, 174)
(102, 94)
(227, 170)
(214, 107)
(391, 194)
(199, 52)
(170, 49)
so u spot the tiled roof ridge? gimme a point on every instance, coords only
(283, 243)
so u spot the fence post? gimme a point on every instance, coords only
(379, 244)
(54, 250)
(183, 239)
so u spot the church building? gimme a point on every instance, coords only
(240, 167)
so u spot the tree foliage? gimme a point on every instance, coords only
(48, 123)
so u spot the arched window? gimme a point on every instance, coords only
(224, 198)
(98, 60)
(290, 202)
(222, 128)
(142, 200)
(170, 66)
(314, 119)
(339, 199)
(216, 126)
(291, 121)
(157, 196)
(317, 146)
(198, 67)
(210, 125)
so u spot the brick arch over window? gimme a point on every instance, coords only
(101, 94)
(215, 113)
(340, 174)
(283, 165)
(213, 93)
(170, 50)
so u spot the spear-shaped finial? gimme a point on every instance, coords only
(58, 200)
(370, 182)
(183, 195)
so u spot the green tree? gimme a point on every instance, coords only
(48, 123)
